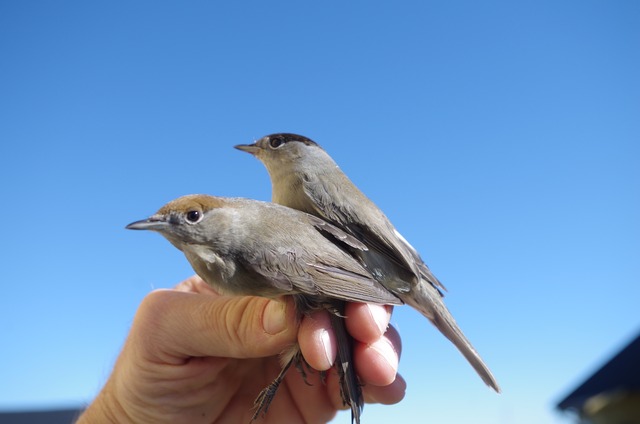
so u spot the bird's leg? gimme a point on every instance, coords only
(323, 377)
(267, 394)
(303, 368)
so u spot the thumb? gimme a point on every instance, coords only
(177, 325)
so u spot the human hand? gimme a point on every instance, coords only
(195, 356)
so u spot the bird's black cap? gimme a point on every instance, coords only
(288, 137)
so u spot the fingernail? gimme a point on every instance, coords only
(381, 317)
(274, 318)
(327, 347)
(387, 352)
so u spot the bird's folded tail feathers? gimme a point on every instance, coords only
(429, 303)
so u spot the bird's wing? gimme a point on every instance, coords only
(333, 274)
(425, 272)
(346, 285)
(280, 267)
(369, 225)
(337, 233)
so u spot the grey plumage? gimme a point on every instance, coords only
(305, 177)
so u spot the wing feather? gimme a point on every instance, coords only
(375, 232)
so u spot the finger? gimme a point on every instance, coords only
(173, 326)
(367, 322)
(332, 380)
(311, 397)
(195, 284)
(377, 363)
(386, 395)
(317, 340)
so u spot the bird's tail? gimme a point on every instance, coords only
(425, 298)
(350, 388)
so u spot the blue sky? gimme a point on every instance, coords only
(502, 139)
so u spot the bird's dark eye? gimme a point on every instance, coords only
(193, 216)
(275, 142)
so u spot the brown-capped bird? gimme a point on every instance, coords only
(247, 247)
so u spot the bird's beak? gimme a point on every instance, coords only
(249, 148)
(153, 223)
